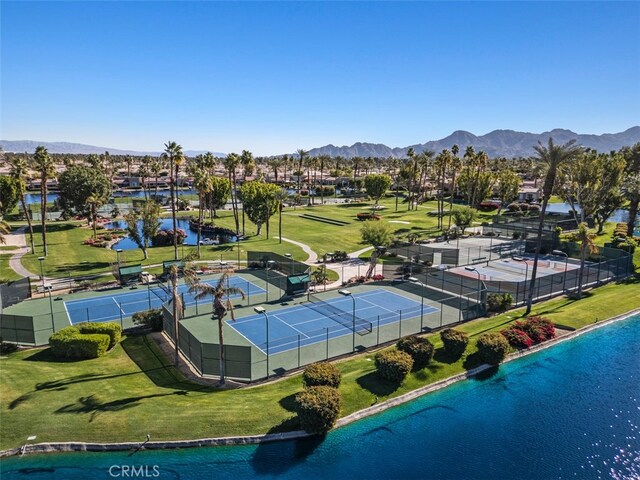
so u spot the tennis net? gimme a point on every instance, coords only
(346, 319)
(509, 268)
(160, 290)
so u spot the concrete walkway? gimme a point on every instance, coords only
(313, 256)
(17, 238)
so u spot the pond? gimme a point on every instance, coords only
(166, 224)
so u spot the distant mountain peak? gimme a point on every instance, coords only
(497, 143)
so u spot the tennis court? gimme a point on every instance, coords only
(517, 269)
(315, 322)
(116, 306)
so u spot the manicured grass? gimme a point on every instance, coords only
(134, 390)
(69, 257)
(6, 273)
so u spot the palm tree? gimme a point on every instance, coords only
(202, 184)
(442, 162)
(553, 156)
(231, 162)
(221, 306)
(156, 166)
(280, 196)
(411, 155)
(19, 173)
(173, 153)
(631, 191)
(456, 165)
(302, 156)
(322, 163)
(45, 166)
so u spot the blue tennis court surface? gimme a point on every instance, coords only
(307, 323)
(119, 305)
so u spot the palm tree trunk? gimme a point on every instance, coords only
(321, 186)
(451, 194)
(43, 213)
(280, 225)
(26, 214)
(397, 193)
(221, 346)
(234, 200)
(172, 189)
(200, 220)
(534, 270)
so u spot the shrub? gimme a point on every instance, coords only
(377, 277)
(340, 256)
(318, 408)
(420, 349)
(71, 343)
(492, 347)
(368, 216)
(454, 341)
(498, 302)
(321, 374)
(517, 338)
(149, 318)
(393, 365)
(108, 328)
(537, 328)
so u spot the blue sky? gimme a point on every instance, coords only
(274, 77)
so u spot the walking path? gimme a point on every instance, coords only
(18, 239)
(313, 256)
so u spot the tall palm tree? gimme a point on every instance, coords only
(322, 163)
(441, 165)
(202, 184)
(221, 306)
(177, 308)
(456, 165)
(302, 156)
(19, 173)
(280, 196)
(173, 154)
(231, 162)
(156, 166)
(413, 159)
(553, 157)
(43, 163)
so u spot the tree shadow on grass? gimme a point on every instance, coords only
(94, 406)
(376, 385)
(156, 366)
(442, 356)
(80, 267)
(289, 402)
(424, 372)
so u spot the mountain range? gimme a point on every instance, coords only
(29, 146)
(498, 143)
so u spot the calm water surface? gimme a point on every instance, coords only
(572, 411)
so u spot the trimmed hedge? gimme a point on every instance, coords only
(149, 318)
(71, 343)
(420, 349)
(108, 328)
(499, 302)
(85, 340)
(318, 408)
(492, 347)
(321, 374)
(533, 330)
(454, 341)
(393, 365)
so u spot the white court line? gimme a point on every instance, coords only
(291, 326)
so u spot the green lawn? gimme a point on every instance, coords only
(69, 257)
(6, 272)
(134, 390)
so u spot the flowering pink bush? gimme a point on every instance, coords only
(378, 277)
(517, 338)
(533, 330)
